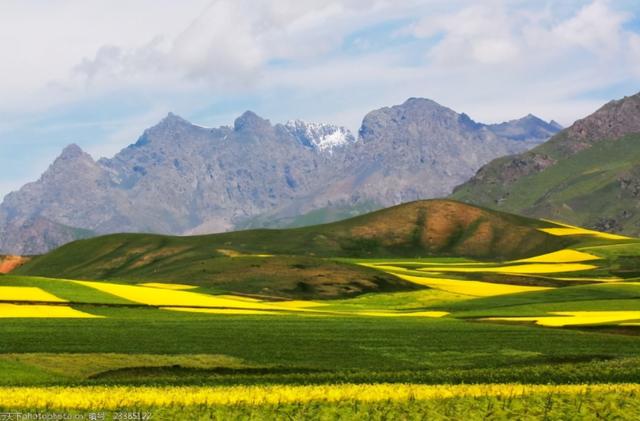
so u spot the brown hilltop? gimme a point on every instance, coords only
(445, 227)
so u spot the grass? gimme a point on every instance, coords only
(79, 366)
(336, 346)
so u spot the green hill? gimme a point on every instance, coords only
(587, 175)
(299, 262)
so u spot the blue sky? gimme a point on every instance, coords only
(98, 72)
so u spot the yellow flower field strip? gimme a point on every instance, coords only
(472, 288)
(41, 311)
(576, 318)
(172, 298)
(387, 267)
(413, 262)
(116, 397)
(433, 314)
(27, 294)
(571, 230)
(160, 285)
(224, 311)
(526, 268)
(560, 256)
(228, 311)
(603, 280)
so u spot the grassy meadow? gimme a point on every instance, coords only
(548, 332)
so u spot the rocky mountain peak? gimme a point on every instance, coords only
(73, 152)
(529, 128)
(172, 121)
(420, 102)
(613, 120)
(420, 112)
(250, 121)
(424, 107)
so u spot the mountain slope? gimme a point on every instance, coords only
(179, 178)
(587, 175)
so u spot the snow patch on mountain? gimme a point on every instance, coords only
(320, 136)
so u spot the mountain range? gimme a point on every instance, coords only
(180, 178)
(587, 175)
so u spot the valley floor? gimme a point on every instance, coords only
(554, 336)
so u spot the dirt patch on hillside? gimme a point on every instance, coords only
(9, 263)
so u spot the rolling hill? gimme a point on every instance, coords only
(300, 262)
(587, 175)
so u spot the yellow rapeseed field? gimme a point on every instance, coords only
(174, 298)
(114, 397)
(587, 279)
(472, 288)
(297, 304)
(434, 314)
(560, 256)
(230, 311)
(167, 286)
(41, 311)
(180, 300)
(526, 268)
(572, 230)
(27, 294)
(573, 318)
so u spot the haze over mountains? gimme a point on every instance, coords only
(179, 178)
(588, 174)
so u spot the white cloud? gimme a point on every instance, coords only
(595, 27)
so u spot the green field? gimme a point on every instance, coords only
(244, 309)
